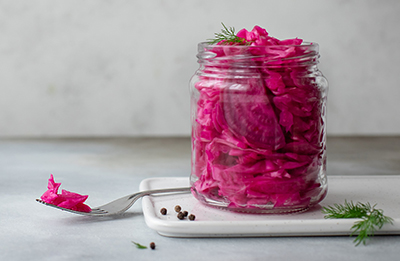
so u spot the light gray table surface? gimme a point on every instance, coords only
(108, 168)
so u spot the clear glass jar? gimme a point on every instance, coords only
(258, 116)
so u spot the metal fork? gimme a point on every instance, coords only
(120, 205)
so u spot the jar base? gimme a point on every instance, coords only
(257, 209)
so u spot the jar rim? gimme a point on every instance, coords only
(272, 55)
(303, 44)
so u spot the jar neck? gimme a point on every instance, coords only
(264, 57)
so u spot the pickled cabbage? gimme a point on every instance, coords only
(66, 199)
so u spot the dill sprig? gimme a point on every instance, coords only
(371, 218)
(139, 245)
(227, 36)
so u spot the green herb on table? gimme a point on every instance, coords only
(227, 36)
(139, 245)
(372, 218)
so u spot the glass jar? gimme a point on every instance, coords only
(258, 116)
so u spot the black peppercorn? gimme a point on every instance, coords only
(177, 208)
(180, 215)
(185, 213)
(192, 217)
(152, 245)
(163, 211)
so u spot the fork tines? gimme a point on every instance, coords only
(98, 211)
(41, 201)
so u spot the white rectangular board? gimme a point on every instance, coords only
(212, 222)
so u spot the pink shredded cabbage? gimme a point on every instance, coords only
(66, 199)
(258, 140)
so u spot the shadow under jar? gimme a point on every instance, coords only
(258, 116)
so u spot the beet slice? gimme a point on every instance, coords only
(250, 115)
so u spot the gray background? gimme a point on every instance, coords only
(122, 67)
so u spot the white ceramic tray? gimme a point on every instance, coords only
(211, 222)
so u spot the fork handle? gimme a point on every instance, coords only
(159, 191)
